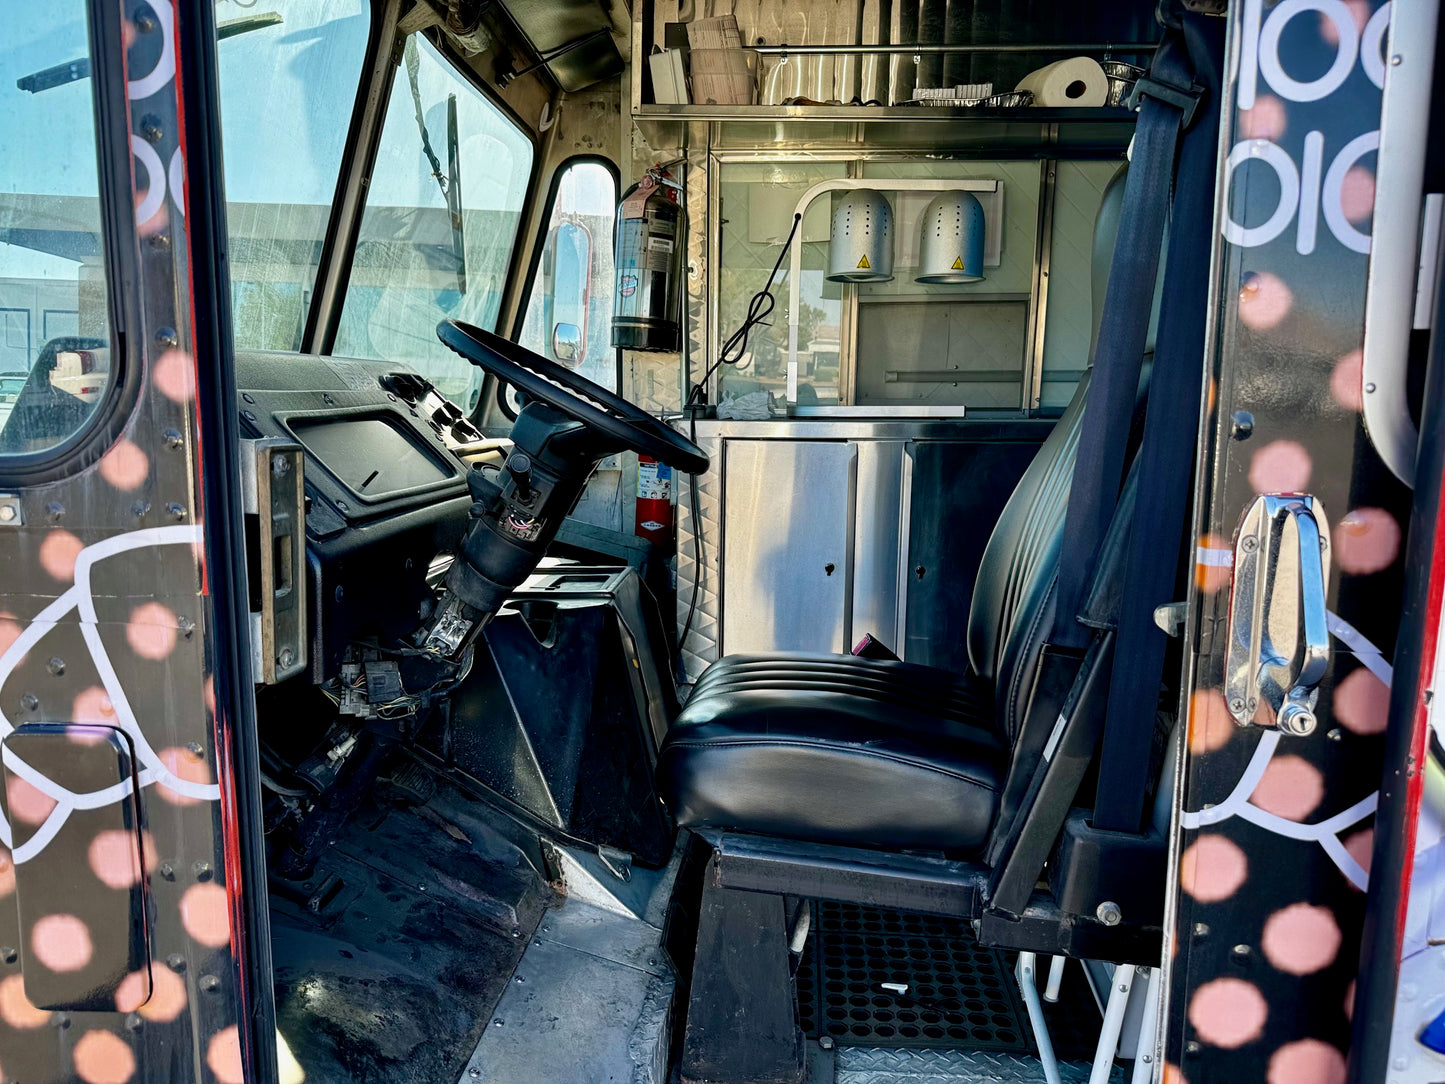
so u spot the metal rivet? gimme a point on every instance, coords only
(498, 1022)
(166, 336)
(30, 702)
(1201, 929)
(520, 979)
(1242, 424)
(343, 506)
(1335, 734)
(1396, 60)
(161, 240)
(1370, 387)
(56, 666)
(474, 1072)
(202, 871)
(176, 511)
(9, 954)
(173, 439)
(209, 983)
(249, 415)
(61, 1020)
(168, 871)
(286, 658)
(140, 508)
(133, 1021)
(150, 129)
(55, 510)
(145, 23)
(338, 593)
(1241, 952)
(328, 400)
(195, 749)
(175, 961)
(1191, 1047)
(246, 398)
(186, 625)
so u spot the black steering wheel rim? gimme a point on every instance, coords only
(574, 395)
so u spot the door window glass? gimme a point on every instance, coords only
(289, 75)
(441, 219)
(569, 310)
(55, 333)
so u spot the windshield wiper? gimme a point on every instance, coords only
(449, 182)
(74, 70)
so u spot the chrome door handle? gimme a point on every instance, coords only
(1279, 640)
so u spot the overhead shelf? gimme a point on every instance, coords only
(1103, 130)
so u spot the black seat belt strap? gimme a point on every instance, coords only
(1165, 101)
(1166, 454)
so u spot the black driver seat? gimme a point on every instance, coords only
(894, 755)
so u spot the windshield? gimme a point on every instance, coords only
(289, 74)
(441, 219)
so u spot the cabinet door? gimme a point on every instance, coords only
(787, 545)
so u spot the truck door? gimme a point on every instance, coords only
(133, 936)
(1300, 527)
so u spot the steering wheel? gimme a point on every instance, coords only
(574, 395)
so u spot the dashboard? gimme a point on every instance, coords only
(387, 458)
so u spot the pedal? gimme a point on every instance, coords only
(414, 781)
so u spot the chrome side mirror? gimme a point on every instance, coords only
(1279, 640)
(567, 342)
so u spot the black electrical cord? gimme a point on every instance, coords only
(759, 309)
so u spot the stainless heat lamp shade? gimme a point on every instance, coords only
(861, 245)
(950, 249)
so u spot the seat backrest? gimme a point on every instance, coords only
(1012, 612)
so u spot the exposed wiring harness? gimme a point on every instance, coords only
(759, 309)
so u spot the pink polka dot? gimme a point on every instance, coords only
(223, 1055)
(1362, 702)
(1347, 381)
(58, 553)
(27, 803)
(184, 765)
(158, 994)
(1212, 868)
(16, 1009)
(1291, 787)
(1210, 725)
(115, 857)
(1301, 939)
(151, 631)
(1361, 847)
(175, 376)
(103, 1057)
(125, 466)
(1366, 540)
(205, 914)
(1307, 1061)
(1357, 194)
(7, 875)
(1228, 1012)
(1281, 466)
(1359, 11)
(61, 942)
(10, 630)
(1264, 300)
(1264, 120)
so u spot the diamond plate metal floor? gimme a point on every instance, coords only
(891, 1065)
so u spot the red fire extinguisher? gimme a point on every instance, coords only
(654, 503)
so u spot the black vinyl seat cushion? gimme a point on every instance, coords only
(837, 749)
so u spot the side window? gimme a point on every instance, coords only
(288, 81)
(55, 325)
(569, 309)
(441, 220)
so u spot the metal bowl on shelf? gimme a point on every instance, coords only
(1122, 78)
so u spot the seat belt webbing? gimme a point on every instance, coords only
(1170, 430)
(1123, 334)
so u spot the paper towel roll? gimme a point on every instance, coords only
(1079, 80)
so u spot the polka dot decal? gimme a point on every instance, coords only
(206, 916)
(1301, 939)
(103, 1057)
(1228, 1012)
(61, 942)
(1212, 868)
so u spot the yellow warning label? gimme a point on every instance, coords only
(864, 264)
(958, 264)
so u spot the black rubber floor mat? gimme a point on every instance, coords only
(959, 994)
